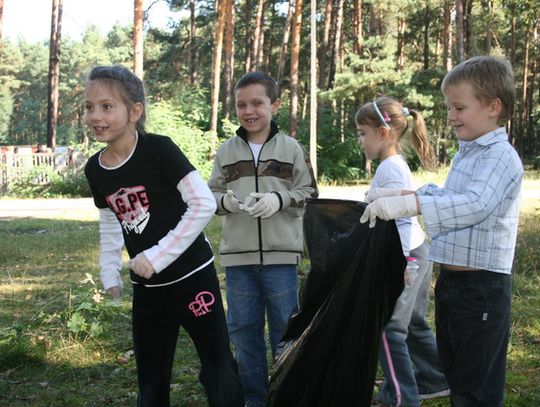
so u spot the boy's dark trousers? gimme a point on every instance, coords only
(472, 317)
(158, 312)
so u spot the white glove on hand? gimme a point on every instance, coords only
(141, 266)
(376, 193)
(392, 207)
(231, 204)
(266, 206)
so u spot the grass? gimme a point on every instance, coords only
(62, 343)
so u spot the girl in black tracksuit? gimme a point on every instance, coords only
(153, 200)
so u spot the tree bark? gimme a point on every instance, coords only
(1, 28)
(489, 33)
(328, 11)
(400, 52)
(313, 89)
(256, 46)
(247, 39)
(228, 67)
(460, 46)
(524, 111)
(54, 72)
(295, 60)
(216, 73)
(285, 44)
(192, 44)
(357, 27)
(336, 51)
(138, 20)
(447, 34)
(427, 20)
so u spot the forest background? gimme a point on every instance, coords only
(364, 49)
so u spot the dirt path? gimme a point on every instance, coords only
(84, 209)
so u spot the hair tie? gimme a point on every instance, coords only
(405, 111)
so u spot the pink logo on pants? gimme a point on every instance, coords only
(202, 302)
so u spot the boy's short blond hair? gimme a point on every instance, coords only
(491, 77)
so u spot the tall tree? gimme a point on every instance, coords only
(285, 43)
(228, 51)
(192, 44)
(357, 27)
(447, 34)
(336, 50)
(489, 34)
(54, 72)
(248, 39)
(460, 33)
(1, 25)
(427, 21)
(328, 11)
(258, 35)
(138, 21)
(216, 71)
(295, 61)
(313, 89)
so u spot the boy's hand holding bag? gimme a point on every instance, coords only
(393, 207)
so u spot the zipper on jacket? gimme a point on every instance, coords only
(259, 223)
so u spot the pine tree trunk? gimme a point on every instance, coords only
(228, 51)
(256, 42)
(295, 60)
(336, 51)
(328, 11)
(285, 44)
(1, 28)
(467, 16)
(400, 52)
(460, 46)
(138, 19)
(523, 105)
(357, 27)
(447, 35)
(489, 33)
(427, 20)
(192, 44)
(248, 39)
(216, 72)
(54, 72)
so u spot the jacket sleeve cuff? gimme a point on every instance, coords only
(284, 199)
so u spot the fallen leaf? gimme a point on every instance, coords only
(123, 359)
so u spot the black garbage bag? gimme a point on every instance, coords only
(331, 345)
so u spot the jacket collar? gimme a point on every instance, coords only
(242, 133)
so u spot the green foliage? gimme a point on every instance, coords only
(88, 309)
(167, 120)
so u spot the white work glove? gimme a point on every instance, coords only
(376, 193)
(141, 266)
(392, 207)
(231, 204)
(266, 206)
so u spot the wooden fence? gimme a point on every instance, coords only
(38, 166)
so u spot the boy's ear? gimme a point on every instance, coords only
(495, 106)
(276, 105)
(136, 112)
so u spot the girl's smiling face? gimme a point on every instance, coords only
(107, 114)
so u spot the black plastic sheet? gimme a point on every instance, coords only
(331, 352)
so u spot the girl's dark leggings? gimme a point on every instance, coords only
(195, 304)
